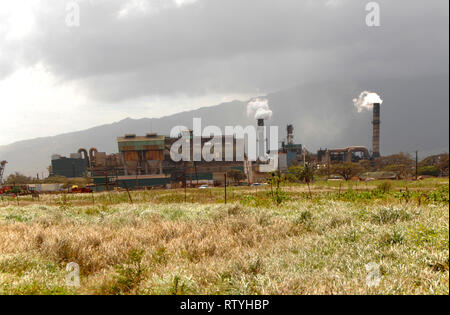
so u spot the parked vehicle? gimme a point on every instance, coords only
(14, 190)
(76, 190)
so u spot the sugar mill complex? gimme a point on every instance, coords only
(145, 161)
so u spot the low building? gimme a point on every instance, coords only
(379, 176)
(45, 188)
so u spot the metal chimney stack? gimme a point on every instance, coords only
(260, 122)
(376, 130)
(261, 139)
(290, 134)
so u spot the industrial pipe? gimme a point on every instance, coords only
(85, 156)
(92, 153)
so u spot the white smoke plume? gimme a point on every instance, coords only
(259, 108)
(366, 100)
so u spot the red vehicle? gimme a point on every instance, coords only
(77, 190)
(5, 190)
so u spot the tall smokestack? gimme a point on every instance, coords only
(290, 134)
(376, 130)
(260, 110)
(367, 101)
(261, 137)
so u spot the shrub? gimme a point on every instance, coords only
(130, 274)
(305, 217)
(303, 222)
(178, 288)
(160, 256)
(429, 170)
(389, 215)
(384, 187)
(396, 237)
(234, 210)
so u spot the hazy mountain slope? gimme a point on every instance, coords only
(322, 114)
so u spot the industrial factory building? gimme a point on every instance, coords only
(144, 161)
(349, 154)
(294, 152)
(71, 167)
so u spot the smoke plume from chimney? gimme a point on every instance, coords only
(371, 101)
(259, 109)
(366, 100)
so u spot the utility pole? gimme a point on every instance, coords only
(225, 177)
(117, 179)
(106, 181)
(417, 164)
(195, 170)
(185, 186)
(304, 156)
(128, 191)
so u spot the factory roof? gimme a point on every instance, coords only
(150, 137)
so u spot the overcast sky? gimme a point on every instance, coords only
(137, 58)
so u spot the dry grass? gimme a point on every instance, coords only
(318, 246)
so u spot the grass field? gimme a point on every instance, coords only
(263, 241)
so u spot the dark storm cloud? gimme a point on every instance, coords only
(232, 46)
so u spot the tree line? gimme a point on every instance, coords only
(401, 164)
